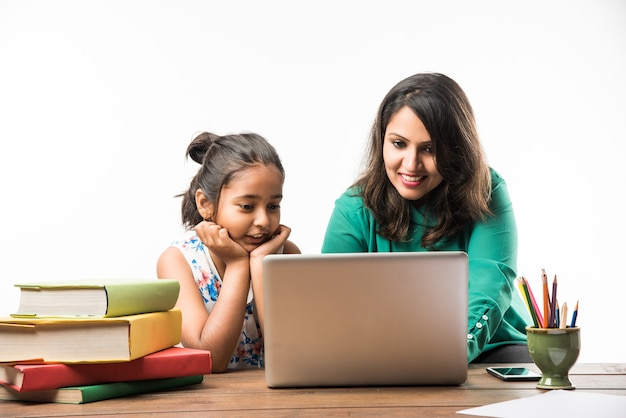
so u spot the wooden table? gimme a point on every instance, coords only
(244, 393)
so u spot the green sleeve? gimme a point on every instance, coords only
(494, 311)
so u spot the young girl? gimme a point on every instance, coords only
(232, 213)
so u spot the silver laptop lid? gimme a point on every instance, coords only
(365, 319)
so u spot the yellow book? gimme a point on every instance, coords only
(88, 340)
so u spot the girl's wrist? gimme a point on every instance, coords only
(240, 263)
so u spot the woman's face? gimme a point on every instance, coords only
(249, 207)
(408, 157)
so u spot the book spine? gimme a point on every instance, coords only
(135, 298)
(153, 332)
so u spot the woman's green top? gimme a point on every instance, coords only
(496, 313)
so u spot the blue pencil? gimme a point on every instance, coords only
(574, 315)
(557, 318)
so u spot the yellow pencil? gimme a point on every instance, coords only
(524, 296)
(535, 307)
(520, 286)
(529, 303)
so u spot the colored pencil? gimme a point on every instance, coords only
(529, 303)
(534, 304)
(520, 287)
(557, 315)
(546, 299)
(574, 316)
(553, 306)
(563, 322)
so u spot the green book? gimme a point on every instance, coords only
(96, 298)
(93, 393)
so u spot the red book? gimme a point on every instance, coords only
(171, 362)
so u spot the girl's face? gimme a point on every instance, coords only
(408, 157)
(249, 207)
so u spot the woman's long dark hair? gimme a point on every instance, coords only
(221, 158)
(464, 194)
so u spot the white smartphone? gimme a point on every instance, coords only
(513, 373)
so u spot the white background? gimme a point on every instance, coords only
(99, 100)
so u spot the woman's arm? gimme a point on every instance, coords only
(492, 251)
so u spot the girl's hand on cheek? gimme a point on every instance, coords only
(274, 244)
(217, 239)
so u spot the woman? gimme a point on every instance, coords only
(427, 187)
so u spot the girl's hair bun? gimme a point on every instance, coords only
(198, 148)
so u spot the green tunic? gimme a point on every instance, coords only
(496, 313)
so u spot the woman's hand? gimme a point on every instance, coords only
(217, 239)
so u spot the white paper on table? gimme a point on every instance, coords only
(563, 403)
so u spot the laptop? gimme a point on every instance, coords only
(365, 319)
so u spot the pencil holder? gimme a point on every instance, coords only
(554, 351)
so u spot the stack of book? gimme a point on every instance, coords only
(83, 341)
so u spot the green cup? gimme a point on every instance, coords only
(554, 351)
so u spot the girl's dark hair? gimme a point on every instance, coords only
(464, 194)
(222, 157)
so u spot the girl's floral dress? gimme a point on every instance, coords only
(249, 351)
